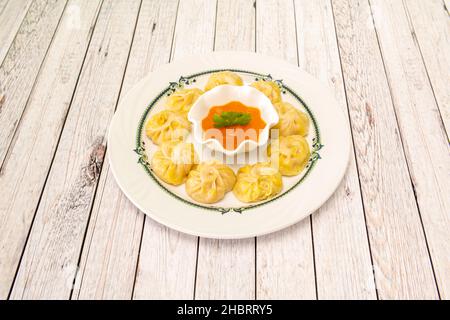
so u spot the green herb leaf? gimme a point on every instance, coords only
(231, 118)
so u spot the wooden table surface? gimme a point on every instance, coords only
(68, 232)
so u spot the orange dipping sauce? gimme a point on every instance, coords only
(231, 136)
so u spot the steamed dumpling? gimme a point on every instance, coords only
(257, 182)
(182, 100)
(291, 153)
(223, 77)
(210, 181)
(166, 126)
(292, 121)
(269, 88)
(173, 161)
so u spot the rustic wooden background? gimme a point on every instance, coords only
(67, 231)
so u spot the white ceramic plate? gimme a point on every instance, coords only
(128, 147)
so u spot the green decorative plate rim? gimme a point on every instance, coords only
(173, 86)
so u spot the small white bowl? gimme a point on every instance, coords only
(221, 95)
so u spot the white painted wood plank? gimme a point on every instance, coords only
(398, 246)
(425, 140)
(111, 250)
(11, 16)
(3, 4)
(235, 26)
(24, 173)
(195, 27)
(21, 65)
(51, 256)
(166, 268)
(284, 260)
(226, 268)
(431, 27)
(341, 248)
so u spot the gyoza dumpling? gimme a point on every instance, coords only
(182, 100)
(269, 88)
(173, 161)
(210, 181)
(223, 77)
(292, 121)
(291, 153)
(257, 182)
(167, 126)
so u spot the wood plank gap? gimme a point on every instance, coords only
(256, 261)
(5, 3)
(79, 280)
(256, 32)
(296, 40)
(255, 5)
(196, 269)
(173, 33)
(215, 26)
(314, 257)
(138, 257)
